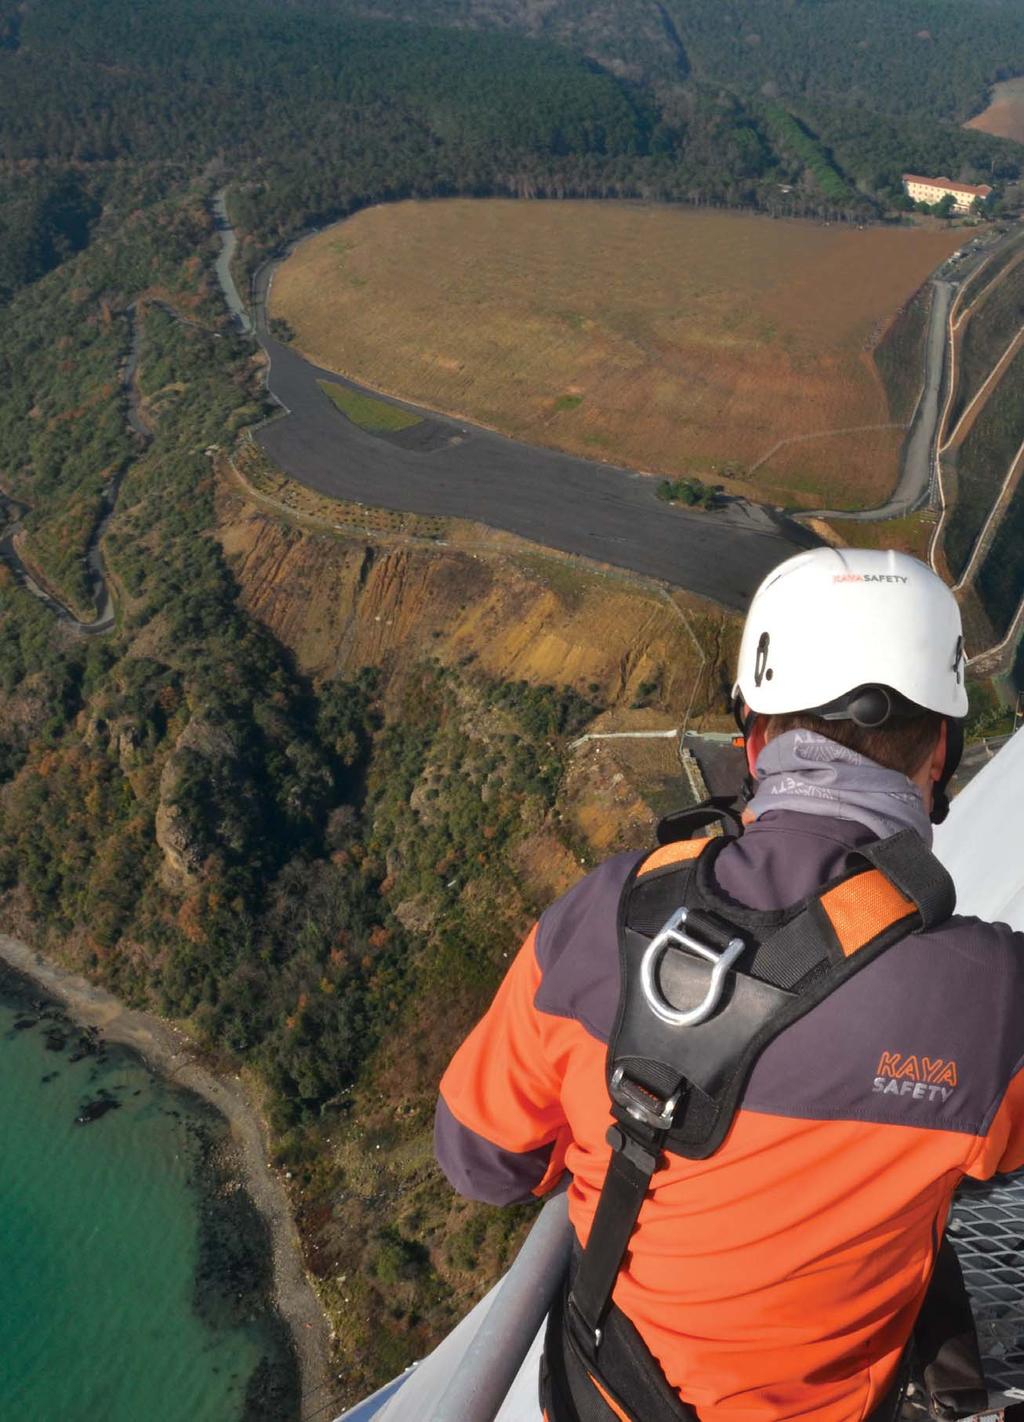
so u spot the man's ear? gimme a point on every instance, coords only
(756, 742)
(938, 762)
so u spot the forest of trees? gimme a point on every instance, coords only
(883, 85)
(317, 110)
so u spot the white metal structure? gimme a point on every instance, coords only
(982, 842)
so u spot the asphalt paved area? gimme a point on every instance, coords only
(589, 509)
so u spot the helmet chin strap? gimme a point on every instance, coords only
(954, 751)
(745, 724)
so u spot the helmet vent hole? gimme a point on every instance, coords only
(761, 670)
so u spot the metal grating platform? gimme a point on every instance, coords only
(987, 1229)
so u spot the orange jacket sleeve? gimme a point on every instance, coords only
(500, 1132)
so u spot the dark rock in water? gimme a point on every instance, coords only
(86, 1046)
(22, 1024)
(274, 1391)
(93, 1110)
(50, 1076)
(55, 1039)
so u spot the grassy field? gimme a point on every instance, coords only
(376, 416)
(674, 340)
(857, 469)
(1004, 116)
(908, 535)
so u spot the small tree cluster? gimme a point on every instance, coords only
(691, 492)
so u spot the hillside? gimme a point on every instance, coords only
(981, 457)
(916, 58)
(474, 815)
(878, 88)
(298, 843)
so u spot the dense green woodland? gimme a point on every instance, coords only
(323, 110)
(308, 871)
(883, 84)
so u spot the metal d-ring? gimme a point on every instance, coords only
(672, 936)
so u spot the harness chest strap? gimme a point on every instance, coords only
(716, 990)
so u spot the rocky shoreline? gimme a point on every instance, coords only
(247, 1228)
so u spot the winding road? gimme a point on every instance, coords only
(99, 588)
(448, 468)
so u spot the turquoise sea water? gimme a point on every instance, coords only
(132, 1278)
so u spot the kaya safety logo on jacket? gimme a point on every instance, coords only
(919, 1078)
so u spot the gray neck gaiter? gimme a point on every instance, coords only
(803, 771)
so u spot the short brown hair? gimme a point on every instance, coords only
(903, 744)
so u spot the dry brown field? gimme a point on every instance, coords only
(1004, 116)
(667, 339)
(860, 468)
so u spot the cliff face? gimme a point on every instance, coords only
(479, 797)
(210, 749)
(516, 614)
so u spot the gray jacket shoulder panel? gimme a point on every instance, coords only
(929, 1035)
(578, 949)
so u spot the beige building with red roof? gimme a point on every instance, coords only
(933, 190)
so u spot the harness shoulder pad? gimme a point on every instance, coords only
(678, 851)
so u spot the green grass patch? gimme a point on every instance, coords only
(375, 416)
(568, 402)
(909, 535)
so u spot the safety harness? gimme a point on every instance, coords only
(706, 985)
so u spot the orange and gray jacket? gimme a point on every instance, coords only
(781, 1276)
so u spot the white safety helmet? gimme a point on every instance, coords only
(837, 631)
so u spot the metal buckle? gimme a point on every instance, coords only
(672, 936)
(642, 1104)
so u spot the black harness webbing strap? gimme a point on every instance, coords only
(795, 952)
(618, 1209)
(647, 1096)
(570, 1391)
(681, 824)
(676, 1083)
(918, 875)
